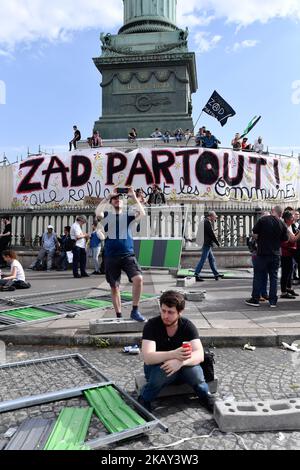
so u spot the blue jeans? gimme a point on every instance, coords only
(157, 379)
(264, 278)
(266, 266)
(63, 261)
(207, 253)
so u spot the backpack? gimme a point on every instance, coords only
(208, 366)
(252, 244)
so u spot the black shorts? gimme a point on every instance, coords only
(115, 265)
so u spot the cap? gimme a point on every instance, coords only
(50, 226)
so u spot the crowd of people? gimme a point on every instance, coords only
(241, 143)
(203, 138)
(275, 242)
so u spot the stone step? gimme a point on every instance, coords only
(112, 325)
(261, 415)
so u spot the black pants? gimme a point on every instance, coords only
(286, 273)
(79, 257)
(74, 142)
(4, 244)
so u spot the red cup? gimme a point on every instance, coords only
(187, 345)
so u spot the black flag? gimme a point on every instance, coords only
(219, 108)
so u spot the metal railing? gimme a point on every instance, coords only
(232, 227)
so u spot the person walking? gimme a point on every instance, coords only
(79, 247)
(209, 240)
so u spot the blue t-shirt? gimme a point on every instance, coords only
(95, 241)
(119, 241)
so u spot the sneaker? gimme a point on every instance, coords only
(252, 302)
(119, 315)
(219, 276)
(208, 403)
(292, 292)
(287, 295)
(85, 275)
(137, 316)
(273, 305)
(198, 278)
(145, 404)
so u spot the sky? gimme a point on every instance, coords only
(249, 51)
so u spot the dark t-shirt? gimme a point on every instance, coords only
(119, 241)
(155, 330)
(7, 229)
(271, 232)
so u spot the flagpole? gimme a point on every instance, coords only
(195, 125)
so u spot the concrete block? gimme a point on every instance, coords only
(2, 353)
(112, 325)
(261, 415)
(195, 296)
(185, 282)
(172, 390)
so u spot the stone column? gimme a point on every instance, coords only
(165, 9)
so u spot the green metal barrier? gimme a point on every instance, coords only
(112, 410)
(70, 429)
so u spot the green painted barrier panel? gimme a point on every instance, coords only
(146, 250)
(70, 428)
(92, 303)
(112, 410)
(158, 252)
(172, 251)
(28, 314)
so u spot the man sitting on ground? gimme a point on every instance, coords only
(166, 361)
(16, 279)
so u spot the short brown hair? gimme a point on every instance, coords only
(12, 254)
(172, 298)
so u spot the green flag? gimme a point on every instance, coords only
(250, 126)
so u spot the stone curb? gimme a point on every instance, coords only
(83, 338)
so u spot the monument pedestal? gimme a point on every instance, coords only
(148, 75)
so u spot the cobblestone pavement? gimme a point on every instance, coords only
(266, 373)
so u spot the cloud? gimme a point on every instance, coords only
(27, 21)
(205, 41)
(246, 44)
(241, 13)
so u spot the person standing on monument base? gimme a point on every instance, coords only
(119, 249)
